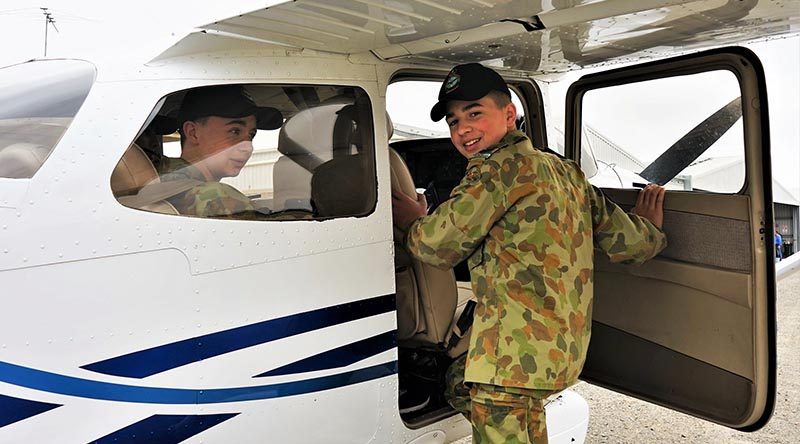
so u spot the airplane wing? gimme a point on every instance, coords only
(787, 267)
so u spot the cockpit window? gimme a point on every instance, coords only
(683, 132)
(254, 151)
(38, 101)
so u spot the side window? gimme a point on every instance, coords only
(263, 152)
(38, 101)
(684, 132)
(409, 102)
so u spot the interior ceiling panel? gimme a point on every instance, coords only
(530, 35)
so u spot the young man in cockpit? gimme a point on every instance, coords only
(217, 125)
(528, 223)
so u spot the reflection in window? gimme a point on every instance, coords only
(38, 101)
(684, 132)
(312, 159)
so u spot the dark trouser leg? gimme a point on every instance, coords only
(456, 392)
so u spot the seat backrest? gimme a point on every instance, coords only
(426, 296)
(322, 166)
(305, 141)
(131, 174)
(338, 187)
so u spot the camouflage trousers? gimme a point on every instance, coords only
(498, 414)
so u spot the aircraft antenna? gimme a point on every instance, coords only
(48, 20)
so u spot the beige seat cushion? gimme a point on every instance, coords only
(131, 174)
(305, 141)
(426, 295)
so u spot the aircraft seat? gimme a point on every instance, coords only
(332, 194)
(322, 167)
(429, 301)
(305, 142)
(131, 174)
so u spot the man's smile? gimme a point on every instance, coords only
(471, 142)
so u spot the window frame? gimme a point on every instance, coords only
(361, 99)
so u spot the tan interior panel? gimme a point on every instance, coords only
(711, 229)
(730, 206)
(732, 286)
(696, 297)
(708, 240)
(695, 323)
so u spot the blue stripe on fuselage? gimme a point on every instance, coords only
(339, 357)
(85, 388)
(165, 357)
(15, 409)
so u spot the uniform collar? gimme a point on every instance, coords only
(180, 168)
(512, 137)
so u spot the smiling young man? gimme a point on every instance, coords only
(217, 125)
(528, 223)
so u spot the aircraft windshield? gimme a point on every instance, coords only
(38, 101)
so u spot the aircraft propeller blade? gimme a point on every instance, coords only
(694, 143)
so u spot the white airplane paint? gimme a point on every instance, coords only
(124, 325)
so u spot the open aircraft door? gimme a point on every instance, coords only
(694, 328)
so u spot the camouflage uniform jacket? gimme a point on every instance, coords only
(206, 199)
(529, 222)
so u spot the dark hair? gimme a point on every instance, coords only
(500, 99)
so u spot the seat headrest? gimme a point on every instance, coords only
(346, 132)
(401, 176)
(311, 131)
(132, 172)
(22, 160)
(401, 181)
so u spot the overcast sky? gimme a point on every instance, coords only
(142, 29)
(87, 27)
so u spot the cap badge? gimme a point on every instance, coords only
(451, 82)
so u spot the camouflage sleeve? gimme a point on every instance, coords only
(214, 199)
(458, 226)
(624, 237)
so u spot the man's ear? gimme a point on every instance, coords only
(190, 131)
(511, 116)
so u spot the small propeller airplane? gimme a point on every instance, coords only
(301, 319)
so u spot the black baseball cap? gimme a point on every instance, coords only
(470, 81)
(229, 101)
